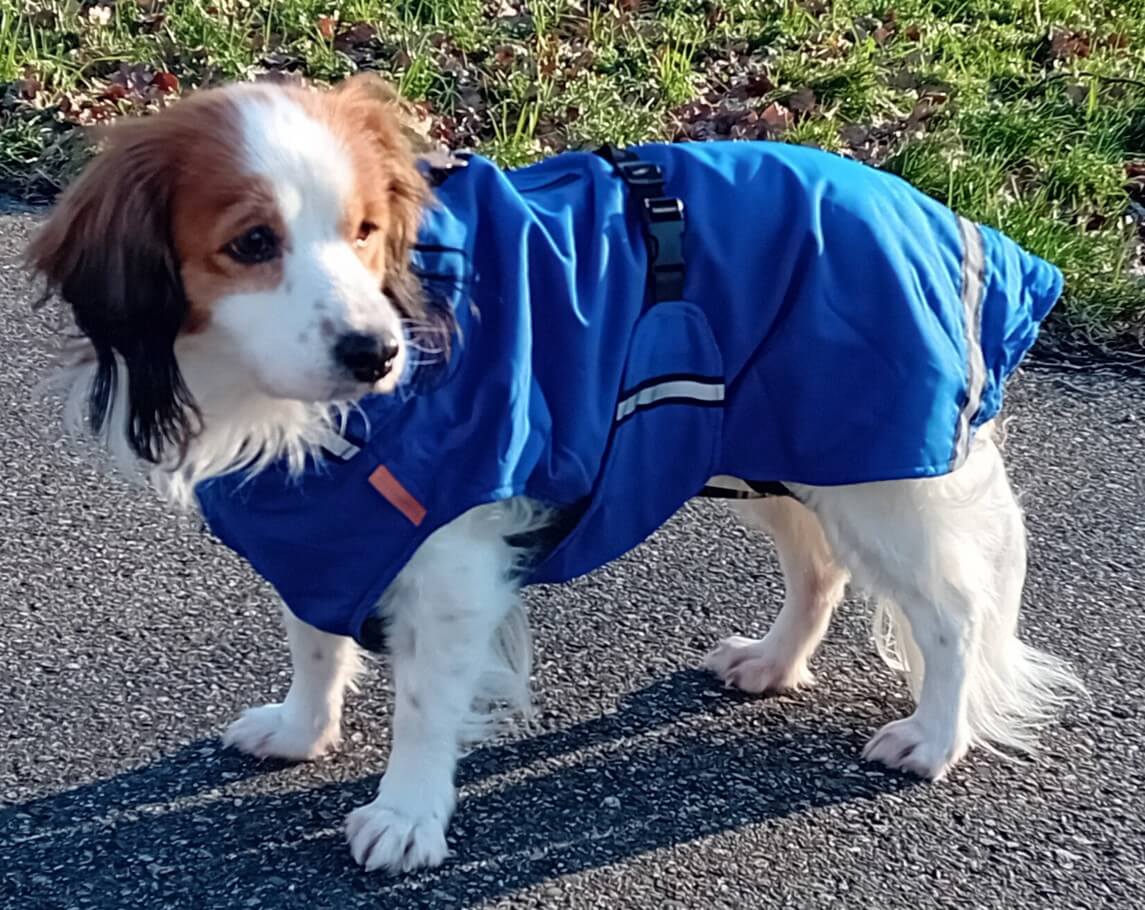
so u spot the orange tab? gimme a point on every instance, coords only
(397, 495)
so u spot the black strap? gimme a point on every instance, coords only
(662, 217)
(663, 220)
(760, 489)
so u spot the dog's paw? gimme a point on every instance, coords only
(272, 731)
(907, 745)
(754, 665)
(393, 838)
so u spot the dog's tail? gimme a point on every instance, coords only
(1013, 689)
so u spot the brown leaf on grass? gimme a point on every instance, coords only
(504, 56)
(28, 87)
(548, 57)
(883, 34)
(754, 85)
(854, 134)
(803, 101)
(693, 121)
(1066, 45)
(776, 118)
(1118, 41)
(921, 112)
(326, 26)
(913, 33)
(864, 26)
(359, 34)
(746, 127)
(165, 82)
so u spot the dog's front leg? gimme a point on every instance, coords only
(443, 613)
(308, 722)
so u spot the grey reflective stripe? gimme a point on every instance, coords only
(973, 288)
(686, 389)
(336, 445)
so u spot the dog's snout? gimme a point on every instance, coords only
(368, 357)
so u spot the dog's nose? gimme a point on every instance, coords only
(367, 357)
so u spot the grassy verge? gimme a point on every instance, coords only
(1025, 114)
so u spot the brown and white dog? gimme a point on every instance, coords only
(217, 259)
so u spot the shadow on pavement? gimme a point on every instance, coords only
(650, 778)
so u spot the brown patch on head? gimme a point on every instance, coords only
(168, 187)
(229, 205)
(382, 218)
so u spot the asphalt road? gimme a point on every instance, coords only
(128, 640)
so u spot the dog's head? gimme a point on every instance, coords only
(265, 225)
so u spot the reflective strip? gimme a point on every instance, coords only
(973, 288)
(337, 445)
(674, 389)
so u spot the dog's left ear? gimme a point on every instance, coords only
(376, 111)
(107, 251)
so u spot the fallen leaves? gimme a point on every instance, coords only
(1068, 45)
(326, 26)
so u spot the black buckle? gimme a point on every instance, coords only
(662, 218)
(641, 174)
(666, 225)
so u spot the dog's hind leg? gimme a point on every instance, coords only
(814, 586)
(947, 557)
(308, 722)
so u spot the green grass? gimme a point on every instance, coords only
(1023, 114)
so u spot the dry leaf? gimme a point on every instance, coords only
(777, 118)
(854, 135)
(165, 82)
(1067, 45)
(802, 101)
(357, 35)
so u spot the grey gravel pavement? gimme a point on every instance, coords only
(128, 639)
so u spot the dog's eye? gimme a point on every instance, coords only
(365, 229)
(259, 244)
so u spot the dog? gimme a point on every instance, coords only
(404, 391)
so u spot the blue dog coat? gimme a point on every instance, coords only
(836, 327)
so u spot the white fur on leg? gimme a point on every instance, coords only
(308, 722)
(458, 647)
(814, 583)
(946, 556)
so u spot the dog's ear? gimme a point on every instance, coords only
(377, 115)
(107, 250)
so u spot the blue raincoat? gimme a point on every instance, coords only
(836, 327)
